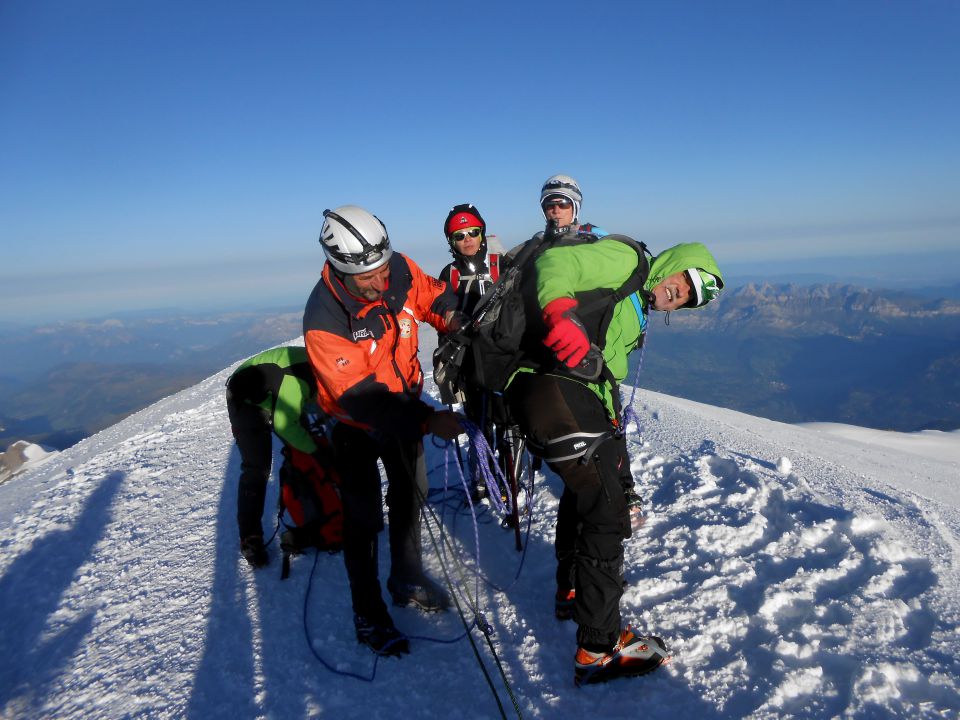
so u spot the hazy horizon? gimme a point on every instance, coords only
(248, 285)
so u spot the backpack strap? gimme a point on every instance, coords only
(493, 262)
(606, 300)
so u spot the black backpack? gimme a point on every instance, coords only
(506, 330)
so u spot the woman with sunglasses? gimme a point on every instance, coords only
(472, 271)
(471, 274)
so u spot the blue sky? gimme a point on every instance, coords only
(181, 153)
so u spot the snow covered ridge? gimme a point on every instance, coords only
(792, 573)
(20, 456)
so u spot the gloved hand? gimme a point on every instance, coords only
(455, 320)
(445, 424)
(566, 335)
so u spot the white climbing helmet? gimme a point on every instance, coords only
(565, 186)
(354, 240)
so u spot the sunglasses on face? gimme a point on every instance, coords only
(461, 235)
(561, 203)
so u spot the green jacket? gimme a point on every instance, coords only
(566, 270)
(281, 382)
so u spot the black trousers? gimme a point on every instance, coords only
(252, 431)
(593, 517)
(356, 453)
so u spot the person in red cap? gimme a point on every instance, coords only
(471, 274)
(473, 270)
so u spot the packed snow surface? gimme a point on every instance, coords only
(792, 572)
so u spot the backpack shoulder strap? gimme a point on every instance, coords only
(633, 284)
(639, 276)
(493, 261)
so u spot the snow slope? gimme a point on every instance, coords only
(792, 573)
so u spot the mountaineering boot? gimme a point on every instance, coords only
(381, 637)
(563, 603)
(253, 550)
(632, 655)
(479, 491)
(424, 594)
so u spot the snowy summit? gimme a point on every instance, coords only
(792, 572)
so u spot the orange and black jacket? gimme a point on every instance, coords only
(364, 354)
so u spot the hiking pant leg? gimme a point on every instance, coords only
(355, 454)
(598, 562)
(565, 543)
(623, 469)
(406, 490)
(548, 407)
(478, 407)
(251, 430)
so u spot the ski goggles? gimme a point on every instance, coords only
(560, 202)
(705, 287)
(461, 235)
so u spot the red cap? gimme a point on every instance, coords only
(462, 220)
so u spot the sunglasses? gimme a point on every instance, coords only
(561, 203)
(461, 235)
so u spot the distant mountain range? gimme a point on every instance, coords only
(64, 381)
(840, 353)
(831, 353)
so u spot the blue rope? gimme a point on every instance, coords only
(497, 487)
(306, 630)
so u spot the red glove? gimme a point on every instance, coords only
(566, 335)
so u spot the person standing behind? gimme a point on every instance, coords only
(560, 200)
(360, 329)
(473, 270)
(471, 274)
(274, 390)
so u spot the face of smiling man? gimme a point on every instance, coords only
(673, 292)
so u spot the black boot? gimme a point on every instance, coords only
(424, 594)
(380, 636)
(253, 550)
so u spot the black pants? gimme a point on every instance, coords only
(356, 455)
(593, 517)
(252, 431)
